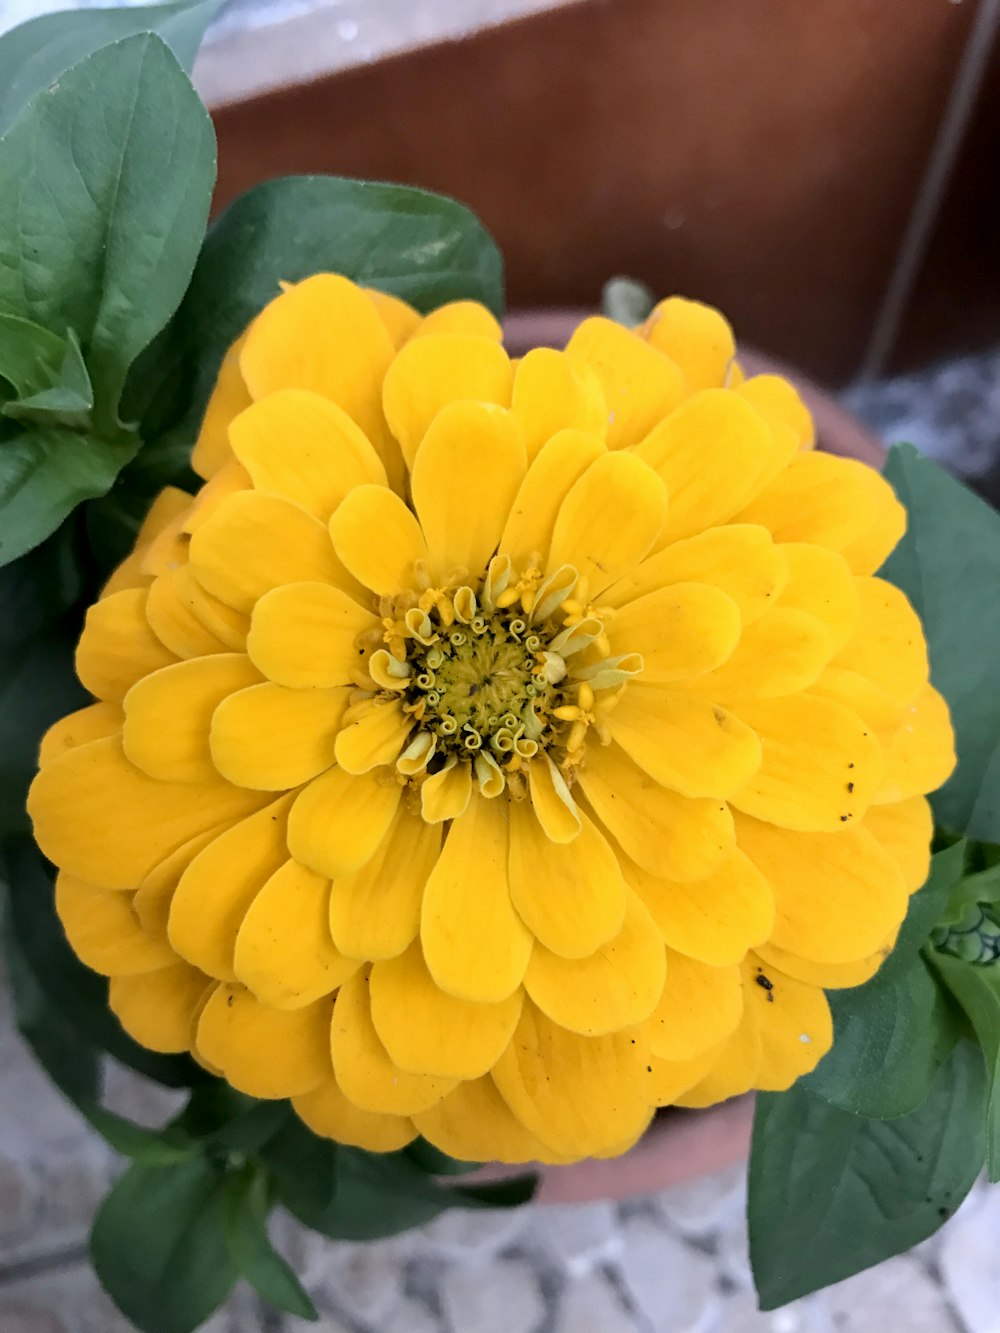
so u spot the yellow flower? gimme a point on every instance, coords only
(496, 751)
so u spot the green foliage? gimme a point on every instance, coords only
(977, 990)
(833, 1193)
(245, 1222)
(948, 564)
(113, 166)
(159, 1244)
(35, 54)
(419, 246)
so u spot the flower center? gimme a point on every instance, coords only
(497, 673)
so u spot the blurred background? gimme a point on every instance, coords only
(826, 171)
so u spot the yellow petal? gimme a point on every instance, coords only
(328, 1113)
(172, 620)
(216, 888)
(426, 1031)
(921, 754)
(465, 476)
(154, 896)
(794, 1023)
(170, 505)
(709, 452)
(579, 1095)
(739, 559)
(820, 582)
(339, 820)
(700, 1006)
(904, 829)
(571, 896)
(882, 713)
(640, 384)
(261, 1051)
(253, 543)
(714, 919)
(667, 834)
(671, 1079)
(781, 653)
(117, 646)
(552, 801)
(399, 318)
(159, 1008)
(474, 1124)
(168, 715)
(324, 335)
(779, 403)
(379, 539)
(364, 1070)
(105, 932)
(374, 734)
(834, 502)
(475, 944)
(555, 392)
(304, 448)
(697, 339)
(556, 467)
(684, 742)
(836, 895)
(304, 635)
(887, 646)
(229, 397)
(735, 1068)
(272, 738)
(86, 724)
(284, 952)
(429, 373)
(446, 793)
(821, 765)
(608, 521)
(375, 913)
(682, 630)
(101, 819)
(164, 553)
(224, 623)
(618, 986)
(828, 976)
(460, 317)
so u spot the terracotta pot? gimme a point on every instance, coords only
(679, 1145)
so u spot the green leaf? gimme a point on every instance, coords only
(77, 994)
(891, 1034)
(977, 990)
(68, 398)
(890, 1037)
(30, 356)
(44, 474)
(420, 246)
(158, 1245)
(250, 1248)
(221, 1117)
(108, 177)
(33, 55)
(832, 1193)
(37, 591)
(948, 564)
(304, 1167)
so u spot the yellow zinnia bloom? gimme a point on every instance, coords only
(496, 750)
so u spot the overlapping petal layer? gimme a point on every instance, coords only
(495, 751)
